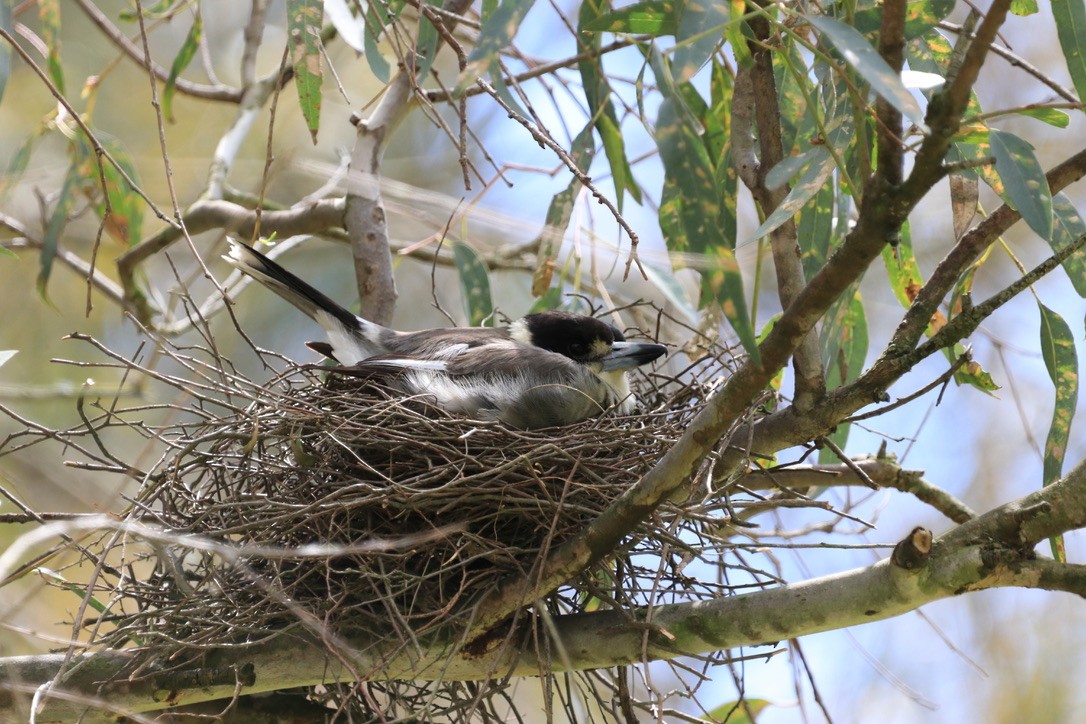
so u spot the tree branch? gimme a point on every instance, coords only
(989, 551)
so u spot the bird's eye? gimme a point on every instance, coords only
(577, 348)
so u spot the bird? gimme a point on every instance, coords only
(545, 369)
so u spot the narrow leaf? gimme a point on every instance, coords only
(376, 21)
(1024, 180)
(1061, 361)
(866, 61)
(49, 18)
(57, 220)
(349, 28)
(964, 199)
(1067, 228)
(474, 283)
(497, 32)
(655, 18)
(1070, 16)
(700, 31)
(807, 185)
(304, 20)
(844, 349)
(6, 354)
(1051, 116)
(559, 213)
(184, 57)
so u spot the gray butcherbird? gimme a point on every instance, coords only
(552, 368)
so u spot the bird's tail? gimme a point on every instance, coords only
(352, 338)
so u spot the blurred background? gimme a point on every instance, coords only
(997, 656)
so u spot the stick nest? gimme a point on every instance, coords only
(364, 510)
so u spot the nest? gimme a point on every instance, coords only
(325, 499)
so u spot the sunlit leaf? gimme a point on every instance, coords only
(1070, 17)
(1024, 179)
(655, 18)
(700, 31)
(474, 283)
(6, 354)
(1067, 228)
(184, 57)
(1061, 361)
(350, 28)
(1024, 7)
(866, 61)
(738, 712)
(304, 20)
(1051, 116)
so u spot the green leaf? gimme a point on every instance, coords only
(17, 165)
(843, 342)
(548, 301)
(49, 18)
(1024, 179)
(1061, 361)
(474, 283)
(598, 96)
(920, 17)
(304, 20)
(1023, 8)
(4, 251)
(1067, 228)
(1051, 116)
(559, 213)
(425, 48)
(690, 218)
(57, 221)
(736, 712)
(123, 219)
(184, 57)
(665, 281)
(655, 18)
(700, 32)
(377, 19)
(816, 233)
(807, 185)
(497, 32)
(902, 270)
(866, 61)
(1070, 17)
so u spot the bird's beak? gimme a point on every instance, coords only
(627, 355)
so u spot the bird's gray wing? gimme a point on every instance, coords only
(523, 386)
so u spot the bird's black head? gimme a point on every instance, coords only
(576, 336)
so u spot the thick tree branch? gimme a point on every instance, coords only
(989, 551)
(810, 381)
